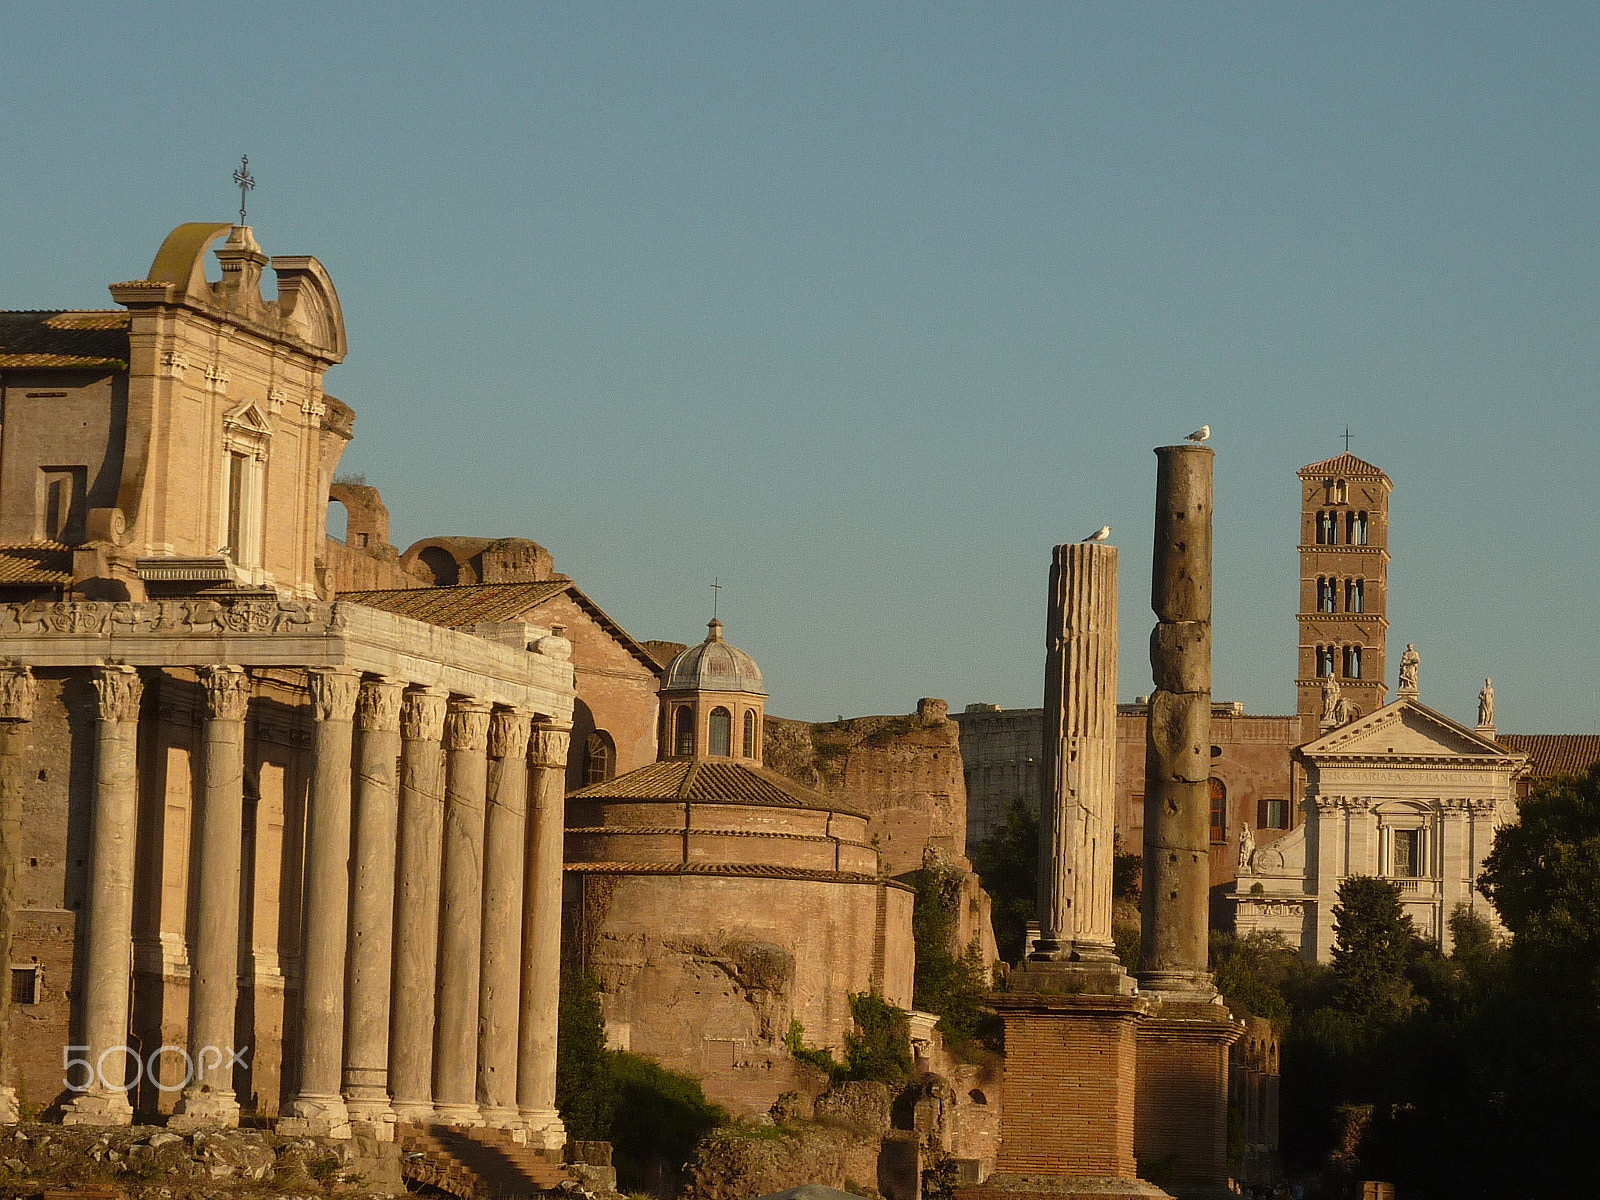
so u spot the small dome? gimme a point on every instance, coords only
(713, 666)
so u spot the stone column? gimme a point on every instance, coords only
(416, 909)
(1078, 805)
(504, 853)
(366, 1039)
(214, 957)
(455, 1045)
(327, 905)
(541, 938)
(1177, 794)
(16, 714)
(108, 948)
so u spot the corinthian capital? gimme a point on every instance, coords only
(508, 733)
(548, 748)
(16, 692)
(227, 692)
(333, 694)
(467, 727)
(119, 688)
(379, 705)
(422, 715)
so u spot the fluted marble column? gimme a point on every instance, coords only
(500, 980)
(1078, 805)
(366, 1044)
(17, 693)
(327, 904)
(416, 910)
(214, 957)
(1177, 794)
(541, 938)
(455, 1046)
(108, 948)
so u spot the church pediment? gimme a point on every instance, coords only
(1404, 729)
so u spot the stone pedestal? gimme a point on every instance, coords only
(1181, 1127)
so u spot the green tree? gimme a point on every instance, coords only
(880, 1045)
(1374, 944)
(1008, 862)
(949, 981)
(586, 1093)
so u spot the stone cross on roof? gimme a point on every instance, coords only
(245, 182)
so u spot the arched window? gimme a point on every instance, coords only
(720, 733)
(1327, 594)
(1350, 528)
(749, 733)
(1219, 812)
(1361, 530)
(1324, 528)
(683, 734)
(1339, 491)
(599, 759)
(1352, 662)
(1353, 595)
(1324, 662)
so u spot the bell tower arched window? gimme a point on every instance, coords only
(1352, 662)
(1353, 595)
(1327, 593)
(720, 733)
(1362, 528)
(1324, 662)
(683, 731)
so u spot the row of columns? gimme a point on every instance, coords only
(431, 931)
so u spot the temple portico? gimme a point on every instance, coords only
(329, 820)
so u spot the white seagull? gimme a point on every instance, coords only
(1199, 435)
(1099, 535)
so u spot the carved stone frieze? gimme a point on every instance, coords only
(508, 733)
(468, 725)
(422, 715)
(119, 688)
(76, 618)
(227, 692)
(17, 692)
(333, 694)
(175, 362)
(378, 708)
(548, 746)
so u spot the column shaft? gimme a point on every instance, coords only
(504, 852)
(327, 903)
(1177, 797)
(455, 1055)
(1078, 807)
(16, 715)
(416, 910)
(214, 957)
(541, 938)
(366, 1046)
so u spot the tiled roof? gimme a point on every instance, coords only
(47, 563)
(1342, 464)
(737, 870)
(50, 339)
(1554, 753)
(466, 604)
(709, 783)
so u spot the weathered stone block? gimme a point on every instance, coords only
(1178, 744)
(1180, 656)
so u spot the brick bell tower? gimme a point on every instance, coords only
(1344, 583)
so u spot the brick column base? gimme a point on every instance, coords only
(1182, 1119)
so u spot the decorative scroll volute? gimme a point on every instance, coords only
(17, 691)
(548, 746)
(227, 692)
(422, 715)
(119, 688)
(379, 706)
(508, 733)
(468, 725)
(333, 694)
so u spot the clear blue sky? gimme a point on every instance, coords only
(862, 308)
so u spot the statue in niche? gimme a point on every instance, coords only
(1486, 703)
(1330, 698)
(1344, 712)
(1410, 662)
(1247, 845)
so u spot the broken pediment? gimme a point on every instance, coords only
(1404, 729)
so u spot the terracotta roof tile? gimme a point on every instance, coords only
(1341, 464)
(466, 604)
(38, 563)
(53, 340)
(726, 782)
(1554, 753)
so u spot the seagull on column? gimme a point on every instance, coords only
(1199, 435)
(1099, 535)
